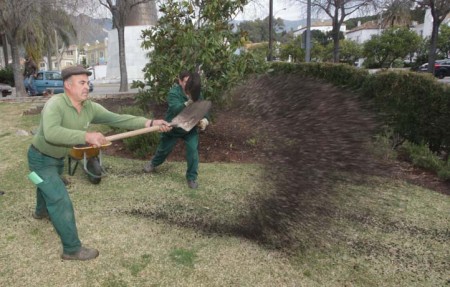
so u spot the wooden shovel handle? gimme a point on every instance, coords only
(132, 133)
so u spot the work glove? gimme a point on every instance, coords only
(188, 102)
(203, 123)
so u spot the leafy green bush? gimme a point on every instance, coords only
(343, 75)
(7, 76)
(421, 156)
(412, 106)
(191, 37)
(141, 145)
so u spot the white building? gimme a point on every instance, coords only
(321, 25)
(363, 32)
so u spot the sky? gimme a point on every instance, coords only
(285, 9)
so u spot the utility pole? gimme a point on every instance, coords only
(308, 33)
(269, 57)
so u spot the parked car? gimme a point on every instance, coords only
(47, 81)
(5, 89)
(441, 68)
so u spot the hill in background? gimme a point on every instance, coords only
(90, 30)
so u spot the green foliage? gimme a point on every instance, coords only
(413, 104)
(141, 145)
(350, 51)
(257, 31)
(443, 43)
(339, 74)
(421, 156)
(393, 43)
(188, 37)
(7, 76)
(294, 49)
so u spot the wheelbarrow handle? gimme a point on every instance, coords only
(132, 133)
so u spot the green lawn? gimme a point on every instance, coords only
(151, 230)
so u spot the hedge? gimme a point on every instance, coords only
(412, 104)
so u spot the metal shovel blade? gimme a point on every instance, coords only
(191, 115)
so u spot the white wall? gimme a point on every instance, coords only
(135, 56)
(361, 36)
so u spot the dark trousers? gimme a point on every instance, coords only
(168, 142)
(52, 197)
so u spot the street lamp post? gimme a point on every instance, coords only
(308, 33)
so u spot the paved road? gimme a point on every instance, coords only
(109, 89)
(100, 89)
(445, 80)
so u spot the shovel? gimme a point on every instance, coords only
(187, 119)
(92, 156)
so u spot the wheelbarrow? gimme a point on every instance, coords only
(92, 156)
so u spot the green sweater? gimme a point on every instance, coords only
(62, 127)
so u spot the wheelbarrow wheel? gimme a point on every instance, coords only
(93, 166)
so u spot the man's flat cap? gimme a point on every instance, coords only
(74, 70)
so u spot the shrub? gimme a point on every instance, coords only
(140, 145)
(412, 106)
(7, 76)
(422, 157)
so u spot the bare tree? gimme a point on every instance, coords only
(121, 10)
(439, 10)
(397, 13)
(338, 10)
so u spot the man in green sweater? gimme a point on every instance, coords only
(186, 91)
(65, 120)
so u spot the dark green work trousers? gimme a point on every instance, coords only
(52, 197)
(168, 142)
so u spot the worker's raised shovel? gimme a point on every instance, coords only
(187, 119)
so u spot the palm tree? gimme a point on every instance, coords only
(396, 13)
(46, 33)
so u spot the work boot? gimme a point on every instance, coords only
(192, 184)
(40, 216)
(148, 167)
(82, 254)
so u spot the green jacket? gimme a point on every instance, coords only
(61, 126)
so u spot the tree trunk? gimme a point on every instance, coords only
(49, 59)
(433, 44)
(18, 76)
(5, 49)
(335, 36)
(122, 60)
